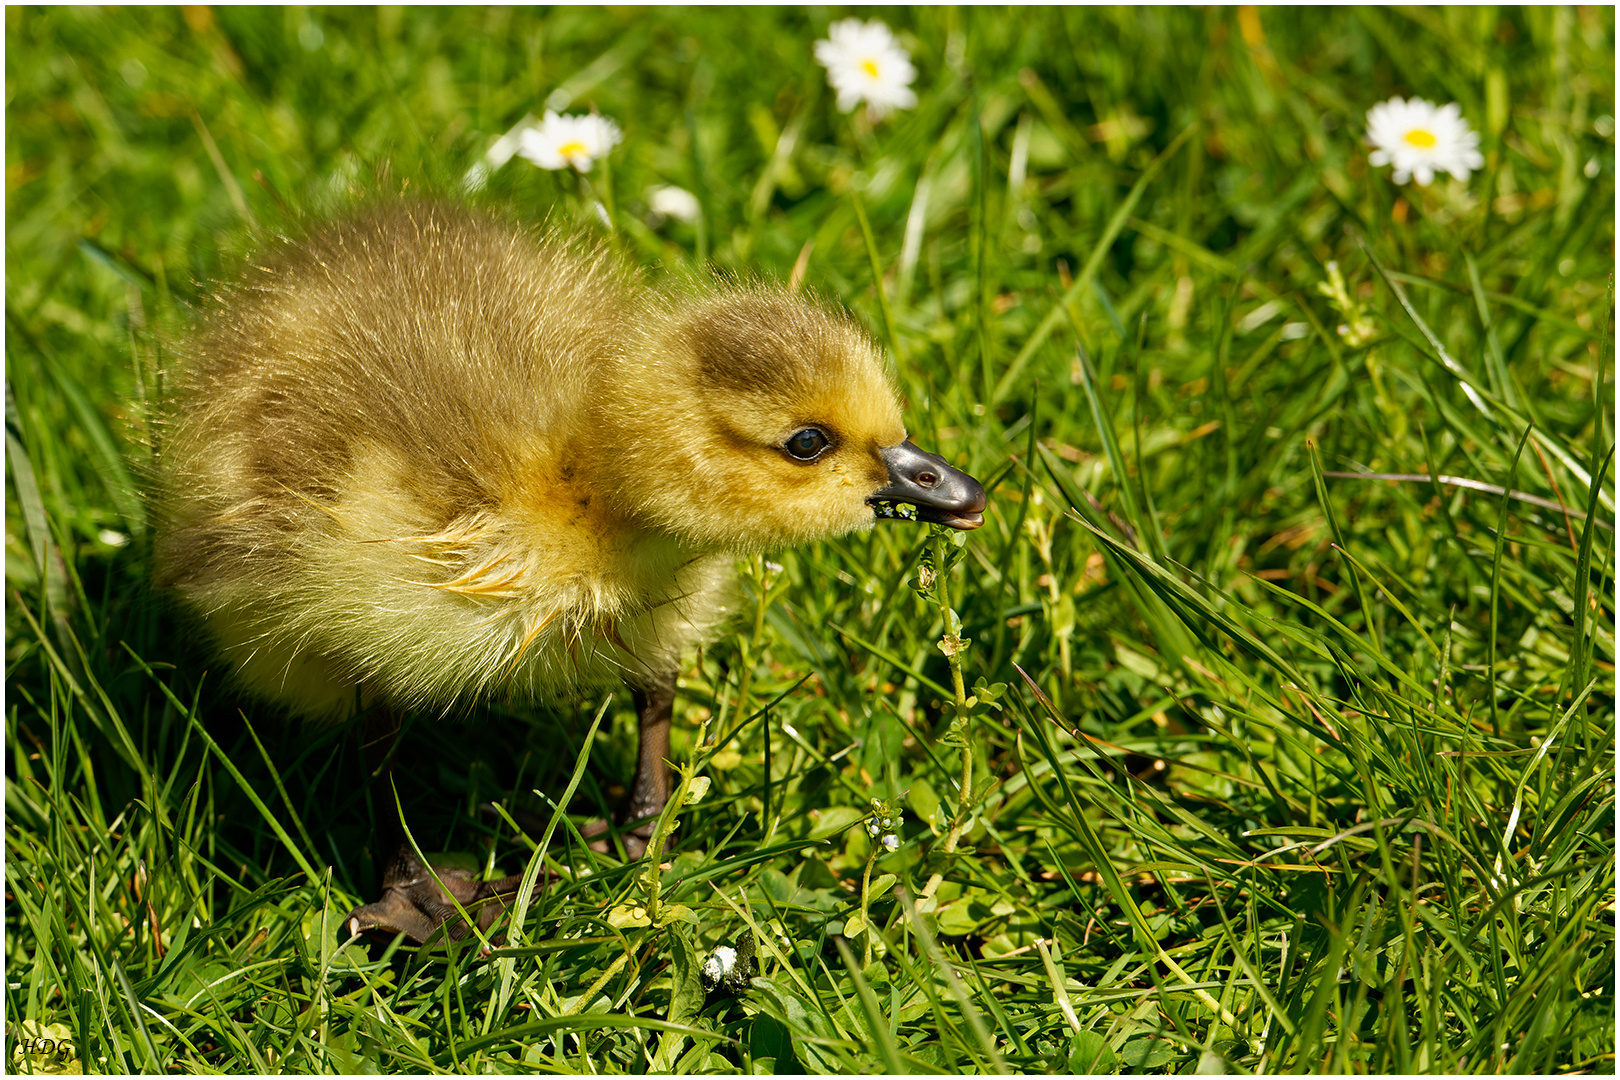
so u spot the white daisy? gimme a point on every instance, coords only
(557, 142)
(864, 62)
(1420, 140)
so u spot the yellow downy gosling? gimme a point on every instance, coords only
(421, 456)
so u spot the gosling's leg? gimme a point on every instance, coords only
(655, 705)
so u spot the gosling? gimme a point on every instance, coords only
(422, 457)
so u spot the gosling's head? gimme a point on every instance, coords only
(755, 419)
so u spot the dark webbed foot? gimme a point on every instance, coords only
(413, 903)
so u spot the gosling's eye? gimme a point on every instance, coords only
(806, 445)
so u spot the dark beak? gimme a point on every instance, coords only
(924, 487)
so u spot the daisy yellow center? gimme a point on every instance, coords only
(870, 67)
(1420, 138)
(572, 148)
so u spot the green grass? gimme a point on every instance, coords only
(1271, 768)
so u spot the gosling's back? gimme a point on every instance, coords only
(414, 326)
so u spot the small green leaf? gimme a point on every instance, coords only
(674, 913)
(834, 819)
(924, 801)
(686, 997)
(987, 694)
(769, 1041)
(958, 917)
(627, 914)
(1148, 1052)
(1089, 1053)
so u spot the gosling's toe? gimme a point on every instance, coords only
(416, 905)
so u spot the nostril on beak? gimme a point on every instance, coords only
(941, 494)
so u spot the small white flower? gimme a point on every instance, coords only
(1420, 140)
(674, 202)
(871, 828)
(864, 62)
(560, 141)
(890, 841)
